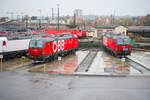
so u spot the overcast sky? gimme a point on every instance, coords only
(92, 7)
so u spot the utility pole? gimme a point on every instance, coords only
(74, 21)
(40, 18)
(11, 15)
(39, 23)
(40, 13)
(21, 15)
(114, 17)
(52, 14)
(58, 18)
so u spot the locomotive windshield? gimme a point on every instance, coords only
(119, 41)
(123, 41)
(36, 44)
(126, 41)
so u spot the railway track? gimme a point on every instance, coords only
(141, 68)
(141, 49)
(24, 67)
(85, 64)
(31, 66)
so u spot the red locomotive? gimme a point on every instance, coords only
(48, 48)
(80, 33)
(117, 45)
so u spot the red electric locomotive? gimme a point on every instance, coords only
(43, 49)
(117, 45)
(80, 33)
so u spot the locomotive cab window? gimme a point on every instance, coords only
(36, 44)
(119, 41)
(124, 41)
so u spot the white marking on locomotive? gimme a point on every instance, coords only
(63, 44)
(58, 45)
(54, 45)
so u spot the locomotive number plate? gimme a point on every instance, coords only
(125, 49)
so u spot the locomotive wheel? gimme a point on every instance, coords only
(52, 58)
(65, 53)
(44, 60)
(56, 56)
(68, 52)
(19, 56)
(73, 52)
(112, 53)
(62, 54)
(115, 54)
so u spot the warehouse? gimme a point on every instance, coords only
(110, 28)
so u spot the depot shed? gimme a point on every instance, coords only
(110, 28)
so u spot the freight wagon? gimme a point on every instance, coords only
(13, 47)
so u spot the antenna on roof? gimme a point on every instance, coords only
(52, 14)
(114, 17)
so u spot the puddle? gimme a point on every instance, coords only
(105, 63)
(66, 65)
(115, 65)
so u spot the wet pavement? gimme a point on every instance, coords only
(114, 65)
(89, 62)
(106, 64)
(66, 65)
(104, 77)
(84, 62)
(35, 86)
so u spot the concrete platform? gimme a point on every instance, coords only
(97, 65)
(141, 58)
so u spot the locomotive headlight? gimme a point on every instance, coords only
(43, 52)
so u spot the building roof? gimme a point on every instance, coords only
(116, 36)
(107, 26)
